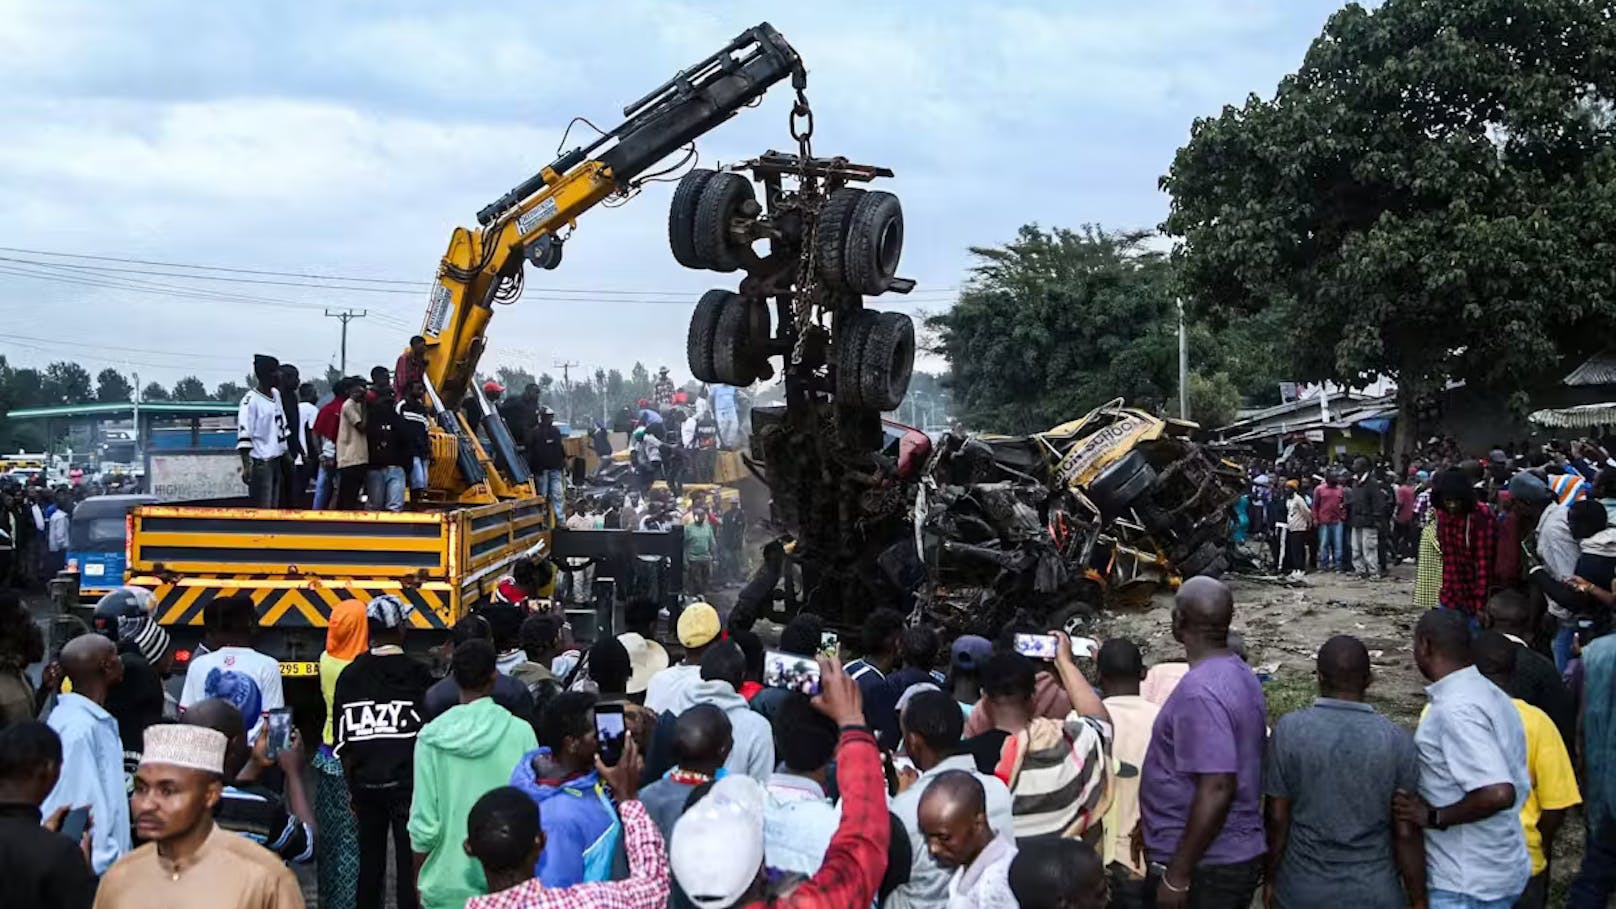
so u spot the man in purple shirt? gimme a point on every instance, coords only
(1200, 793)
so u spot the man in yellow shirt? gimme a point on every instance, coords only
(1548, 763)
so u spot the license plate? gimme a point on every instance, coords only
(300, 669)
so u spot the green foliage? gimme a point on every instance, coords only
(190, 388)
(66, 383)
(1214, 399)
(514, 378)
(154, 392)
(230, 391)
(1428, 197)
(1057, 322)
(112, 387)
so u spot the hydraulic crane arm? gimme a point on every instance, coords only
(483, 265)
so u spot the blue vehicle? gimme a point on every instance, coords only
(97, 538)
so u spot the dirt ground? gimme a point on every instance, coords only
(1284, 625)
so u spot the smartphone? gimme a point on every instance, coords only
(1037, 646)
(610, 732)
(74, 823)
(829, 644)
(791, 671)
(279, 723)
(1086, 648)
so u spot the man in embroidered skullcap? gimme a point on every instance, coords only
(187, 861)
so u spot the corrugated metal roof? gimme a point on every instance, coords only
(1599, 369)
(171, 408)
(1582, 416)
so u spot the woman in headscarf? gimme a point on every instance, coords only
(336, 849)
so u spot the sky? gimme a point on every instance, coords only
(327, 138)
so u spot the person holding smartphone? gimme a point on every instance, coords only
(44, 868)
(716, 851)
(1059, 797)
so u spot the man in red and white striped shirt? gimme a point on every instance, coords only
(503, 833)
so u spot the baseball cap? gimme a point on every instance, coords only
(492, 387)
(698, 625)
(716, 849)
(1528, 488)
(1497, 456)
(970, 651)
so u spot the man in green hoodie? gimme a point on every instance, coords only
(467, 751)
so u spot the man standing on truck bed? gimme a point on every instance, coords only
(261, 434)
(547, 458)
(521, 415)
(353, 451)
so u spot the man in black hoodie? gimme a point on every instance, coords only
(379, 708)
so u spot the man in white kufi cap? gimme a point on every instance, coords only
(188, 862)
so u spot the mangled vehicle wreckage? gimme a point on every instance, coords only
(973, 532)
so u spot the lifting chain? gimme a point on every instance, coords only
(808, 194)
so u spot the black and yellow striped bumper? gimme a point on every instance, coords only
(294, 602)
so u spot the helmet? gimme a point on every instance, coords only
(120, 612)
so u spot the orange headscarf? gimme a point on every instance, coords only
(346, 635)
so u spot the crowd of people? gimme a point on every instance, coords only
(369, 444)
(538, 771)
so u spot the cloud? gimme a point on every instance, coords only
(351, 138)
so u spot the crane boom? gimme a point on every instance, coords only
(483, 265)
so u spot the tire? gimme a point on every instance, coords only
(887, 361)
(830, 236)
(722, 195)
(853, 333)
(1073, 618)
(682, 217)
(874, 243)
(699, 339)
(1121, 484)
(734, 353)
(1203, 559)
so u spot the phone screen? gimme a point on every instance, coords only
(829, 644)
(1037, 646)
(610, 732)
(73, 824)
(279, 722)
(791, 671)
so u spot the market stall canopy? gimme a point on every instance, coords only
(1582, 416)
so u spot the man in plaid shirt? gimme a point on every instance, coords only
(717, 845)
(503, 834)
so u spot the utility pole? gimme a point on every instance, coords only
(1183, 364)
(345, 318)
(134, 401)
(566, 382)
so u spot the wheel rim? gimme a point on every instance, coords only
(889, 246)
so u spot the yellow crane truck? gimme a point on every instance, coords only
(481, 511)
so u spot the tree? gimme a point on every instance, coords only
(1057, 322)
(111, 387)
(154, 392)
(229, 391)
(190, 388)
(514, 378)
(639, 384)
(1428, 197)
(67, 383)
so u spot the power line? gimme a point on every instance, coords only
(170, 291)
(678, 295)
(223, 268)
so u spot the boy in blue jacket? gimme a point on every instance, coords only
(575, 814)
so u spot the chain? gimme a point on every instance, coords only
(807, 268)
